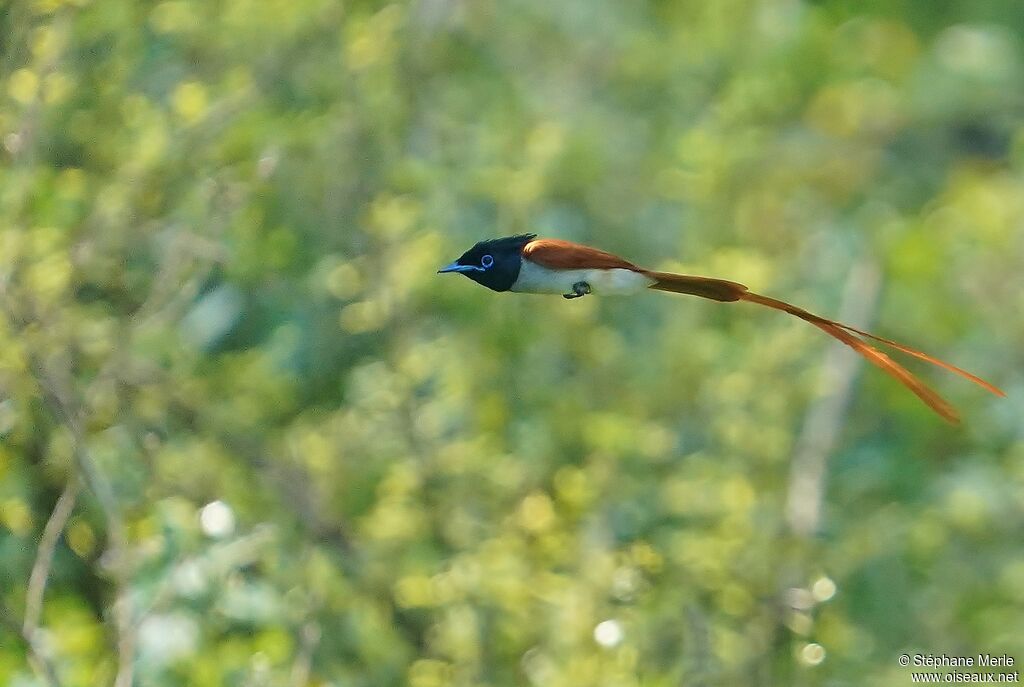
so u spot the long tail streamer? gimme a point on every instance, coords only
(727, 291)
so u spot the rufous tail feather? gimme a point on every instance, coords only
(729, 291)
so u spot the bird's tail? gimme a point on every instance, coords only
(729, 291)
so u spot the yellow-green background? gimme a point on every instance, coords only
(220, 222)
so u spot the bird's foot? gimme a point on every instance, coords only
(580, 288)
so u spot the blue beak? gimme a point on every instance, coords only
(456, 267)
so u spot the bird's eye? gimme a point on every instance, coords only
(487, 261)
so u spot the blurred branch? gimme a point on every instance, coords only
(61, 406)
(64, 409)
(825, 418)
(699, 649)
(36, 655)
(44, 555)
(309, 638)
(817, 440)
(68, 411)
(181, 272)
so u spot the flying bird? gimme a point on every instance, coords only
(527, 264)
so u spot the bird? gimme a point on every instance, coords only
(526, 264)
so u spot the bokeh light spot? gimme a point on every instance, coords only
(217, 519)
(609, 633)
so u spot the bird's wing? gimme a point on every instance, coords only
(565, 255)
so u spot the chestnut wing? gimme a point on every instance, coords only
(566, 255)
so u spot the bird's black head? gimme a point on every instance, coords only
(494, 263)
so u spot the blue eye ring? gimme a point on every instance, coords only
(486, 261)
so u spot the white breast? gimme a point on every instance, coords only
(534, 278)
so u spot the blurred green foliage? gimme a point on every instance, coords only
(219, 226)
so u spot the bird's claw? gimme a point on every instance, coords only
(580, 288)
